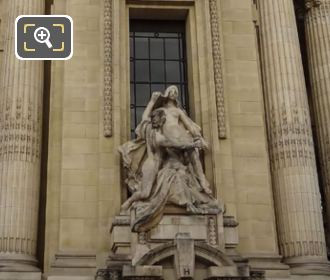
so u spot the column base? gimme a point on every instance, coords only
(308, 266)
(270, 263)
(10, 262)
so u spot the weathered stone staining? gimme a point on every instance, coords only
(168, 169)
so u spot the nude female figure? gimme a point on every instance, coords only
(181, 131)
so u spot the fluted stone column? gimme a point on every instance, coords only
(295, 181)
(21, 90)
(317, 27)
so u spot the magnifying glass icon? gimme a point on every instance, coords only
(41, 35)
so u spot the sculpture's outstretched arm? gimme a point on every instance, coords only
(150, 106)
(146, 115)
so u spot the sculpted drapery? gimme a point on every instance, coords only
(163, 163)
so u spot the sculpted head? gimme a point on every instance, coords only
(158, 118)
(172, 93)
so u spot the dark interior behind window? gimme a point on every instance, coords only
(157, 60)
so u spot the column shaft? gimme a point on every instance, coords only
(317, 26)
(21, 92)
(293, 167)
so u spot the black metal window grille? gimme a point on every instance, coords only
(157, 60)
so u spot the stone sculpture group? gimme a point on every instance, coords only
(163, 163)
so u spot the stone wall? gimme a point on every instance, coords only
(84, 188)
(89, 118)
(244, 156)
(75, 172)
(2, 21)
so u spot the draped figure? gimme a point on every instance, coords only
(163, 163)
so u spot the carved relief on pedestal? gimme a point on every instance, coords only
(107, 91)
(218, 79)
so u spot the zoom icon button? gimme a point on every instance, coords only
(39, 35)
(43, 37)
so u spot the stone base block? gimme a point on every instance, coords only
(70, 278)
(66, 263)
(311, 269)
(215, 272)
(180, 245)
(21, 263)
(170, 225)
(20, 275)
(308, 266)
(271, 264)
(136, 272)
(308, 277)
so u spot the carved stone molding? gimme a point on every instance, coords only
(318, 13)
(107, 90)
(312, 3)
(315, 11)
(212, 231)
(218, 76)
(20, 132)
(291, 141)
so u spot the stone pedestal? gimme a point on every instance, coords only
(317, 26)
(175, 248)
(295, 181)
(20, 143)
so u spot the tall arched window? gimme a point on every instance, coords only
(157, 60)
